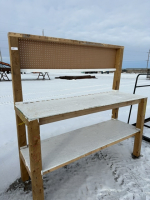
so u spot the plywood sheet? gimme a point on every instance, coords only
(60, 150)
(52, 107)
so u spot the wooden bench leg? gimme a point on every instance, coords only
(115, 113)
(21, 133)
(35, 160)
(139, 124)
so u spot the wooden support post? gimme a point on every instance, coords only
(35, 160)
(15, 69)
(139, 124)
(117, 74)
(17, 95)
(21, 133)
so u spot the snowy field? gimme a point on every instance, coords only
(110, 174)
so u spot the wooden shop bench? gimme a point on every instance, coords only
(30, 52)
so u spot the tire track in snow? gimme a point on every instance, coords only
(125, 172)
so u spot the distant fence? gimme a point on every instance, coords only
(135, 70)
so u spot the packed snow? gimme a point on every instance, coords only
(110, 174)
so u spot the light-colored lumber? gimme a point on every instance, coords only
(21, 116)
(39, 52)
(35, 160)
(21, 134)
(52, 110)
(61, 40)
(118, 67)
(117, 75)
(139, 124)
(17, 95)
(15, 69)
(68, 147)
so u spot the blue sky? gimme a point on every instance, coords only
(125, 23)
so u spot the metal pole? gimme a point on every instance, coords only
(135, 86)
(133, 93)
(148, 62)
(0, 56)
(148, 58)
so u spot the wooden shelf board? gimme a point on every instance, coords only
(79, 105)
(61, 150)
(67, 70)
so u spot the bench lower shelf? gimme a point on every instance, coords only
(63, 149)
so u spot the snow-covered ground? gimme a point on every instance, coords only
(110, 174)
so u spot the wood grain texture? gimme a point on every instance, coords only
(118, 66)
(39, 52)
(35, 160)
(21, 135)
(117, 75)
(15, 69)
(139, 124)
(61, 40)
(23, 160)
(17, 96)
(21, 116)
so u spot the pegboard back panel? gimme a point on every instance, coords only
(36, 54)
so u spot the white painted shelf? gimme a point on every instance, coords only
(66, 148)
(56, 107)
